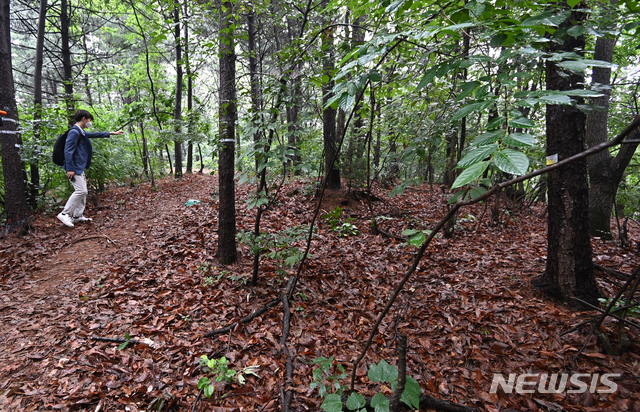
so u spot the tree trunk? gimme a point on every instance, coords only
(605, 172)
(177, 114)
(569, 269)
(189, 91)
(227, 118)
(67, 74)
(254, 81)
(12, 167)
(329, 114)
(34, 167)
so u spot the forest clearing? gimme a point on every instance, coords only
(145, 267)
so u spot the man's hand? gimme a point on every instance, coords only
(118, 132)
(70, 175)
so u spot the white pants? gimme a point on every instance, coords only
(76, 203)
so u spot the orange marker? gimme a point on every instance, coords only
(3, 113)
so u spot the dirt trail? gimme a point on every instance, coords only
(39, 304)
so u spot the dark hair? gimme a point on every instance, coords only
(80, 114)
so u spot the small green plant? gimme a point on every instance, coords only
(326, 377)
(220, 372)
(381, 372)
(204, 267)
(343, 229)
(333, 217)
(633, 312)
(347, 229)
(278, 246)
(127, 339)
(416, 237)
(186, 318)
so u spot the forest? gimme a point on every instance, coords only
(333, 205)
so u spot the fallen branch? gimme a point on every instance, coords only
(246, 319)
(618, 274)
(143, 341)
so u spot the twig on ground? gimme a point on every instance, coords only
(246, 319)
(618, 274)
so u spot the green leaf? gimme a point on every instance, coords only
(417, 240)
(476, 8)
(123, 345)
(355, 401)
(470, 174)
(477, 192)
(382, 372)
(203, 382)
(411, 394)
(332, 403)
(553, 99)
(375, 76)
(512, 161)
(463, 112)
(467, 89)
(573, 3)
(208, 391)
(456, 196)
(488, 137)
(519, 139)
(498, 40)
(521, 122)
(380, 403)
(426, 79)
(574, 66)
(477, 155)
(582, 93)
(495, 123)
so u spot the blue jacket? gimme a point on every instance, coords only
(78, 149)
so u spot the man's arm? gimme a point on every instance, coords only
(102, 135)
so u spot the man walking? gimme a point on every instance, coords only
(77, 158)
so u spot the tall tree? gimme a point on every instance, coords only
(569, 269)
(187, 64)
(605, 171)
(67, 73)
(37, 104)
(177, 113)
(329, 113)
(15, 199)
(227, 119)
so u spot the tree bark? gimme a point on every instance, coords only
(227, 118)
(605, 171)
(329, 114)
(189, 91)
(569, 269)
(67, 74)
(177, 113)
(15, 197)
(34, 167)
(254, 81)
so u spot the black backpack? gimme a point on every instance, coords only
(58, 148)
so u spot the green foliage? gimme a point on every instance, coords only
(220, 372)
(280, 246)
(127, 339)
(327, 380)
(343, 228)
(633, 312)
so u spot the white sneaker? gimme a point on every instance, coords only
(65, 218)
(81, 219)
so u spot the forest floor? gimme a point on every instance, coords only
(146, 267)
